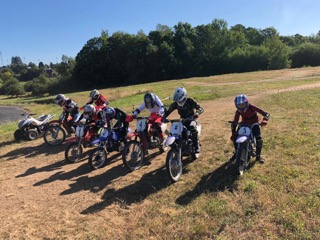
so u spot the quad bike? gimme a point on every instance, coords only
(57, 131)
(107, 142)
(30, 128)
(181, 144)
(146, 136)
(82, 139)
(246, 146)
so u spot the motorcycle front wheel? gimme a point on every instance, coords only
(173, 165)
(73, 152)
(241, 158)
(54, 135)
(97, 158)
(132, 155)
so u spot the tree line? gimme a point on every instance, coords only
(165, 53)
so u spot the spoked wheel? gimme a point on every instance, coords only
(132, 155)
(97, 158)
(54, 135)
(241, 159)
(73, 152)
(18, 135)
(32, 134)
(173, 165)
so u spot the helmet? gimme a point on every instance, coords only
(60, 99)
(180, 96)
(149, 100)
(94, 94)
(89, 110)
(108, 113)
(242, 102)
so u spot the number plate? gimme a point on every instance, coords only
(244, 131)
(176, 128)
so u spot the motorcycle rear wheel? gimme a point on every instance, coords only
(173, 165)
(54, 135)
(132, 155)
(73, 152)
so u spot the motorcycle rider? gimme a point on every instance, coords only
(120, 116)
(93, 115)
(97, 98)
(154, 105)
(71, 108)
(187, 107)
(249, 115)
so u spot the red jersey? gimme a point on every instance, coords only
(250, 116)
(101, 101)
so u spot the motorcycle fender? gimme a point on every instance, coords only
(95, 141)
(163, 127)
(241, 139)
(199, 130)
(72, 139)
(169, 140)
(130, 135)
(54, 122)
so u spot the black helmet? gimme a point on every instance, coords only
(149, 100)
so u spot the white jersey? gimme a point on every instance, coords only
(158, 107)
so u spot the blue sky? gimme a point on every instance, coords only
(45, 30)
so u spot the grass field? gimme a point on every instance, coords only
(43, 197)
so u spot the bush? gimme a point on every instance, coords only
(12, 87)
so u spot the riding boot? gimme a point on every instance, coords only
(258, 151)
(196, 144)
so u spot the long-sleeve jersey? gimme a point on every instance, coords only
(187, 110)
(158, 107)
(101, 101)
(250, 116)
(71, 107)
(120, 118)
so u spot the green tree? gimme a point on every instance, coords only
(12, 87)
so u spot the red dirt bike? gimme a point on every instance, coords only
(146, 136)
(57, 131)
(84, 136)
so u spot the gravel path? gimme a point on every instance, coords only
(9, 114)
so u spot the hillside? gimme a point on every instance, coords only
(43, 197)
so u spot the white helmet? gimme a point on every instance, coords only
(89, 110)
(180, 96)
(60, 99)
(94, 94)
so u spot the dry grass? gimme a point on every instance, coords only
(43, 197)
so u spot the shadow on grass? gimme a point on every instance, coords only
(221, 179)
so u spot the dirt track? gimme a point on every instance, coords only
(43, 197)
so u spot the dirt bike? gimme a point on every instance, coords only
(82, 139)
(107, 142)
(146, 136)
(57, 131)
(181, 144)
(246, 146)
(30, 128)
